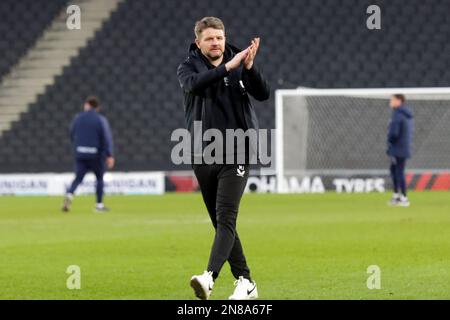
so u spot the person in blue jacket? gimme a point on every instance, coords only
(399, 141)
(92, 143)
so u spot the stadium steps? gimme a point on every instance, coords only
(46, 60)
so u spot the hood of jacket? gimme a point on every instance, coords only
(405, 111)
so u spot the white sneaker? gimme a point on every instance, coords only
(403, 202)
(101, 209)
(68, 198)
(394, 200)
(203, 285)
(245, 290)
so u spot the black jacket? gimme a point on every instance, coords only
(212, 92)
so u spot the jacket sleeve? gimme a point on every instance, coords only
(107, 141)
(394, 130)
(255, 83)
(193, 81)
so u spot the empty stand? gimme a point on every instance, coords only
(131, 65)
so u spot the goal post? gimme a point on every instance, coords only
(342, 132)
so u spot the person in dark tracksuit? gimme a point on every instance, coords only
(92, 142)
(399, 141)
(217, 79)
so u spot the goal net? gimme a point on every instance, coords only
(343, 131)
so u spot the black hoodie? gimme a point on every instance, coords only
(217, 97)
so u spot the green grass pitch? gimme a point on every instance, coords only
(298, 246)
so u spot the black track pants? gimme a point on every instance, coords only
(222, 187)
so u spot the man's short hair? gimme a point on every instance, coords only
(208, 22)
(400, 97)
(93, 101)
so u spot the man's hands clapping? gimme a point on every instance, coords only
(252, 50)
(246, 56)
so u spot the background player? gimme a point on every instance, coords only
(399, 140)
(92, 142)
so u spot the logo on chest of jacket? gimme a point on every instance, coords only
(226, 81)
(240, 171)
